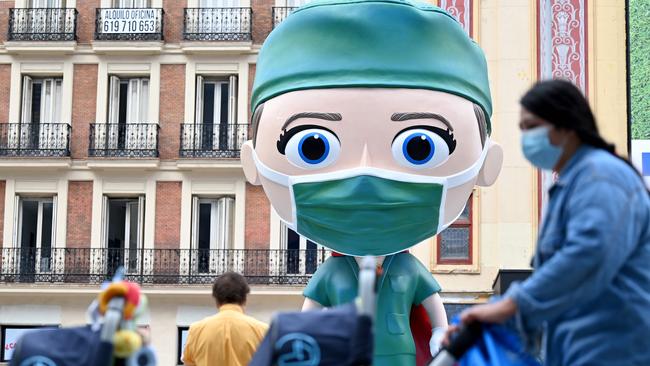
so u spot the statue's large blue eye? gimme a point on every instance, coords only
(419, 148)
(312, 148)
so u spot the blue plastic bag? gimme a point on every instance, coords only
(498, 346)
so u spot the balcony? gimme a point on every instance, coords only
(281, 13)
(123, 140)
(217, 24)
(42, 24)
(35, 140)
(122, 24)
(223, 141)
(158, 266)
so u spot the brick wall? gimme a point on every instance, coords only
(4, 18)
(168, 215)
(262, 19)
(173, 20)
(172, 109)
(5, 81)
(80, 212)
(84, 102)
(3, 185)
(86, 20)
(258, 213)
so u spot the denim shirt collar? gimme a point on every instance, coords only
(570, 168)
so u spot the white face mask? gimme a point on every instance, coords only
(369, 211)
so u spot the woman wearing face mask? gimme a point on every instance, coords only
(589, 295)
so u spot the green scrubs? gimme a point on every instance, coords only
(405, 282)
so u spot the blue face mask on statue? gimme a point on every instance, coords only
(537, 148)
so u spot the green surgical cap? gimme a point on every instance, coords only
(373, 44)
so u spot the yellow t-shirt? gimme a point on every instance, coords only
(228, 338)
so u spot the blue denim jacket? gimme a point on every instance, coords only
(590, 291)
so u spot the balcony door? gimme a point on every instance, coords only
(41, 108)
(35, 234)
(219, 3)
(137, 4)
(300, 254)
(221, 16)
(48, 18)
(291, 3)
(123, 234)
(216, 114)
(128, 112)
(213, 221)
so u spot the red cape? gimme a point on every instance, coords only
(420, 329)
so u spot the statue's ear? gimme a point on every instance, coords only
(491, 166)
(248, 163)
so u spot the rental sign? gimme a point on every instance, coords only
(128, 21)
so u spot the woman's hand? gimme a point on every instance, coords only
(496, 312)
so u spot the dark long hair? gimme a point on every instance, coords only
(562, 104)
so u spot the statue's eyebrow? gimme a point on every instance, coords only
(399, 117)
(327, 116)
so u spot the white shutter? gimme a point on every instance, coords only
(225, 211)
(114, 100)
(27, 100)
(54, 204)
(132, 103)
(104, 222)
(47, 101)
(232, 112)
(17, 214)
(232, 99)
(143, 100)
(197, 130)
(198, 108)
(109, 135)
(195, 223)
(141, 202)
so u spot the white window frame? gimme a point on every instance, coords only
(140, 201)
(50, 112)
(18, 228)
(221, 241)
(199, 106)
(137, 111)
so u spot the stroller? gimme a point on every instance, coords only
(110, 340)
(342, 336)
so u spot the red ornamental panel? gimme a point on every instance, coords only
(562, 40)
(562, 43)
(461, 10)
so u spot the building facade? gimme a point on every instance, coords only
(120, 128)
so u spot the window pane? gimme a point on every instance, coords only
(454, 243)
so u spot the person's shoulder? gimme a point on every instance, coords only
(257, 324)
(198, 326)
(406, 263)
(600, 165)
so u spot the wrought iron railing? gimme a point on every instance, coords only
(126, 24)
(158, 266)
(280, 13)
(203, 140)
(124, 140)
(42, 24)
(35, 139)
(218, 24)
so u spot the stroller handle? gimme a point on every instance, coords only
(460, 343)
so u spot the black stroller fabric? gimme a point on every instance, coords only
(337, 336)
(78, 346)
